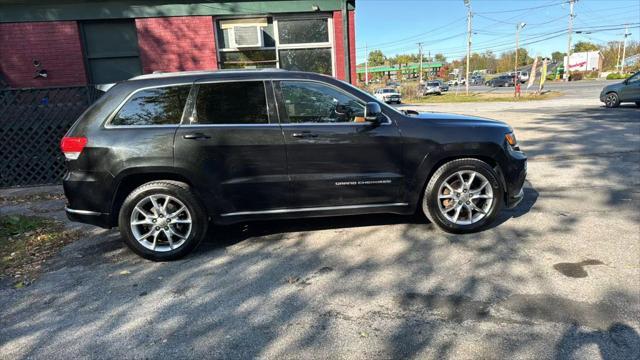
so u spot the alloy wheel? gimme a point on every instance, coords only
(161, 222)
(465, 197)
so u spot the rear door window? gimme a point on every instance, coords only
(157, 106)
(242, 102)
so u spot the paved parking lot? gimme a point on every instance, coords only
(557, 277)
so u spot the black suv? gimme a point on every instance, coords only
(502, 80)
(164, 155)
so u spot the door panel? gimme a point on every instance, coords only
(235, 147)
(631, 91)
(333, 160)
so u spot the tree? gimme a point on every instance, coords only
(376, 58)
(558, 56)
(440, 58)
(581, 46)
(610, 53)
(506, 61)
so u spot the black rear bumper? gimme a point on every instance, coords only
(89, 217)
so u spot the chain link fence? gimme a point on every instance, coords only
(32, 122)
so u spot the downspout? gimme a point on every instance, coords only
(345, 40)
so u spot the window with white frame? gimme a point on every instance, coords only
(303, 43)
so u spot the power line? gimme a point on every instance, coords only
(413, 37)
(523, 9)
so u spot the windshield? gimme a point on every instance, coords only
(433, 84)
(387, 91)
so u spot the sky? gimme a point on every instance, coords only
(395, 27)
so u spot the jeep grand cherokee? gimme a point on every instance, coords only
(163, 156)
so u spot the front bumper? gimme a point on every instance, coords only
(515, 174)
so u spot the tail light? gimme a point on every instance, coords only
(72, 146)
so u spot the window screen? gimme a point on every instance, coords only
(310, 102)
(302, 31)
(159, 106)
(232, 103)
(314, 60)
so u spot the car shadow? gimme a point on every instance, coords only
(221, 236)
(228, 235)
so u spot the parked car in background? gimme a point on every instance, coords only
(626, 91)
(476, 80)
(431, 88)
(443, 85)
(388, 95)
(456, 82)
(499, 81)
(164, 156)
(523, 76)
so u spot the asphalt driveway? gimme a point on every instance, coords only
(557, 277)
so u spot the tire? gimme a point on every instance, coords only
(611, 100)
(467, 221)
(638, 103)
(193, 217)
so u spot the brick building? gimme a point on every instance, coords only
(77, 42)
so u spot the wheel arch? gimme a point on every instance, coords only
(430, 166)
(126, 182)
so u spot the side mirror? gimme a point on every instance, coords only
(372, 112)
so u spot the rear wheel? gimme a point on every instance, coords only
(611, 100)
(463, 196)
(162, 220)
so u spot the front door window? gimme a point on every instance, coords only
(310, 102)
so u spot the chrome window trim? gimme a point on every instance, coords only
(107, 123)
(322, 208)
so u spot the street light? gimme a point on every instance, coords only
(519, 27)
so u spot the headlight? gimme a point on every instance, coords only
(512, 141)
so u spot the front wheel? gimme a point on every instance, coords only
(612, 100)
(463, 196)
(162, 220)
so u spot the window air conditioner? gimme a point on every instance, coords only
(247, 37)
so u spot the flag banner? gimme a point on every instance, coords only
(532, 74)
(543, 74)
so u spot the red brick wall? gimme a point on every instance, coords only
(56, 45)
(339, 45)
(176, 43)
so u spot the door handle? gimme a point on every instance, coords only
(196, 136)
(304, 134)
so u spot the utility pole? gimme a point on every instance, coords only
(618, 60)
(519, 27)
(467, 3)
(420, 54)
(624, 48)
(366, 65)
(570, 32)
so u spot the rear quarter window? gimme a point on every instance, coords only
(157, 106)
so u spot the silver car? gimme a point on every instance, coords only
(431, 88)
